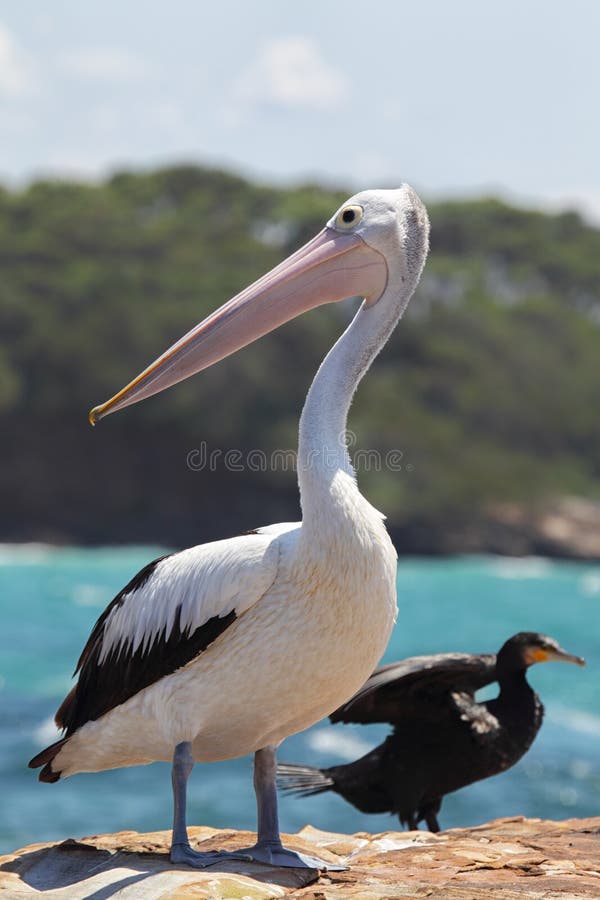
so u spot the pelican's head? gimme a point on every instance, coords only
(377, 239)
(395, 223)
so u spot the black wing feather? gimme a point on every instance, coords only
(395, 690)
(121, 674)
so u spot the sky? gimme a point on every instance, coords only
(458, 99)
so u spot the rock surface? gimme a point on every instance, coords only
(568, 528)
(509, 859)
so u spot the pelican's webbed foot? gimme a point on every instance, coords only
(268, 849)
(183, 853)
(267, 852)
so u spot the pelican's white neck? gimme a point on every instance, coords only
(323, 457)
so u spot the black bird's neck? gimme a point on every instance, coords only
(518, 704)
(513, 683)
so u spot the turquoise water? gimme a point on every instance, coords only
(51, 598)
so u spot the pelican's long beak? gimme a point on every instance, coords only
(331, 267)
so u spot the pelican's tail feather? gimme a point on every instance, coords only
(45, 759)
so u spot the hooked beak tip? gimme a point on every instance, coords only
(312, 276)
(571, 658)
(93, 415)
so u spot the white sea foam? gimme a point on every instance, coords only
(576, 720)
(580, 769)
(25, 554)
(46, 733)
(568, 796)
(516, 567)
(337, 743)
(91, 595)
(589, 583)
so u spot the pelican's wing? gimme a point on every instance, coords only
(414, 685)
(168, 613)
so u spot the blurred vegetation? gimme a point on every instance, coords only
(489, 387)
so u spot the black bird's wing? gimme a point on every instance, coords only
(414, 685)
(483, 724)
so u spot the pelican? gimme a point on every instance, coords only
(227, 648)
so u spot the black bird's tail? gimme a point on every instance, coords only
(303, 780)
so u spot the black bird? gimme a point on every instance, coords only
(443, 739)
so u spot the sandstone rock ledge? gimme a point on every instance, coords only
(509, 859)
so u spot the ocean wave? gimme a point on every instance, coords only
(91, 595)
(337, 743)
(25, 554)
(46, 733)
(589, 583)
(517, 567)
(33, 553)
(576, 720)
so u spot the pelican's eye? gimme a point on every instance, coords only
(348, 217)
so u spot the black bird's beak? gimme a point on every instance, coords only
(551, 654)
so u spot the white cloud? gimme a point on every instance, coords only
(290, 72)
(105, 64)
(16, 70)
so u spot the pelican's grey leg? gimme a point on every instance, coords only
(181, 852)
(183, 763)
(268, 848)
